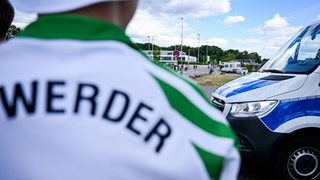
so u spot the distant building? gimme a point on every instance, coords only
(243, 61)
(248, 61)
(167, 56)
(239, 62)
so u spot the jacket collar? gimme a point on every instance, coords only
(65, 26)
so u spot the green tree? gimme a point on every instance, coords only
(156, 52)
(216, 53)
(228, 57)
(255, 56)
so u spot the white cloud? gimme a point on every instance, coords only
(144, 24)
(220, 42)
(165, 9)
(277, 26)
(271, 46)
(276, 22)
(249, 41)
(165, 31)
(280, 31)
(191, 8)
(266, 47)
(161, 19)
(233, 19)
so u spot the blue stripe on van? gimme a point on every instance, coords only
(289, 110)
(234, 89)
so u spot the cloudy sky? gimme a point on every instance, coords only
(254, 25)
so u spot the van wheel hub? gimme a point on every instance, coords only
(303, 163)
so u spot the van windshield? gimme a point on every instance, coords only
(300, 55)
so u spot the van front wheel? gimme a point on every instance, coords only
(299, 159)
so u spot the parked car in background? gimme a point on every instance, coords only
(275, 112)
(242, 71)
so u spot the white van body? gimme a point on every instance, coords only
(231, 66)
(276, 111)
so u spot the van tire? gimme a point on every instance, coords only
(299, 159)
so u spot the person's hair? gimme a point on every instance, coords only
(6, 17)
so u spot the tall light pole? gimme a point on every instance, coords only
(152, 39)
(181, 35)
(198, 47)
(188, 57)
(149, 43)
(207, 53)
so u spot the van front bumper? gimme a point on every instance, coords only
(257, 142)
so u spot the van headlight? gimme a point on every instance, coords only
(251, 109)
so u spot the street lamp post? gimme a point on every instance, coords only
(149, 43)
(181, 35)
(188, 57)
(152, 49)
(207, 53)
(151, 39)
(198, 47)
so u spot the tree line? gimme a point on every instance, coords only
(215, 53)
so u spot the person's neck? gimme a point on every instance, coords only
(107, 11)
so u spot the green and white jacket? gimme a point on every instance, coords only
(79, 100)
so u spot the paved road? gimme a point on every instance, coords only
(201, 69)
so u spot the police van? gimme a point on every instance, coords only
(275, 112)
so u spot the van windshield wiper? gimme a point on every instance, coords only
(273, 70)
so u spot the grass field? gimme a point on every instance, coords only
(216, 79)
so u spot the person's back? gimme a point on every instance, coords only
(6, 18)
(67, 110)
